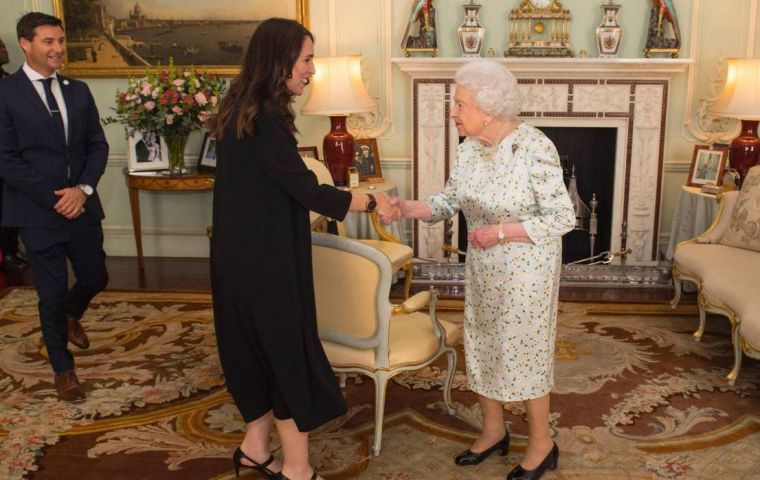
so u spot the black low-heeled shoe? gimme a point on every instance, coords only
(549, 463)
(468, 457)
(238, 456)
(313, 476)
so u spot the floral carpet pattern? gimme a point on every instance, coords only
(635, 397)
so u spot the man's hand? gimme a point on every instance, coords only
(71, 202)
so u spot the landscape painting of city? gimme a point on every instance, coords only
(111, 38)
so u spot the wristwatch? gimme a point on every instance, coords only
(500, 235)
(86, 189)
(371, 204)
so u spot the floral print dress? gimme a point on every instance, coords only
(511, 288)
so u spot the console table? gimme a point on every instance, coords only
(159, 182)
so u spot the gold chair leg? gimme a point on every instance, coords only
(407, 279)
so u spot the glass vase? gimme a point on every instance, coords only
(176, 145)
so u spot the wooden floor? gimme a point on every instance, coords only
(192, 274)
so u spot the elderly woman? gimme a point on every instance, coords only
(508, 183)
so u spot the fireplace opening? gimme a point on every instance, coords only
(589, 153)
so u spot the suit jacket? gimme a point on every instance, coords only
(34, 159)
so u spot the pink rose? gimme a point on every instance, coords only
(178, 82)
(145, 91)
(177, 110)
(203, 116)
(149, 106)
(213, 100)
(201, 98)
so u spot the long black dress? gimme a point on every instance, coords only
(261, 276)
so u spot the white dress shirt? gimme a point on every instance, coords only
(35, 77)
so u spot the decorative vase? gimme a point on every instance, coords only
(176, 146)
(609, 33)
(471, 33)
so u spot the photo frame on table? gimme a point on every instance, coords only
(310, 152)
(707, 165)
(120, 38)
(146, 151)
(367, 159)
(207, 157)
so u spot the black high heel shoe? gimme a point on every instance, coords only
(238, 456)
(549, 463)
(468, 457)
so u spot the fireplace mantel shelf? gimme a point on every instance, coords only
(426, 67)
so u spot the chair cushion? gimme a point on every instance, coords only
(411, 341)
(699, 260)
(744, 229)
(397, 253)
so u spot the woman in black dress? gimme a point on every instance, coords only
(261, 273)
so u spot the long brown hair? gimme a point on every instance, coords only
(267, 63)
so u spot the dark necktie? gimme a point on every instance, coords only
(53, 106)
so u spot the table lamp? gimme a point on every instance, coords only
(338, 91)
(741, 100)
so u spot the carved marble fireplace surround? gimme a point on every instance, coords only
(630, 95)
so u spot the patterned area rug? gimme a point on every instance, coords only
(635, 398)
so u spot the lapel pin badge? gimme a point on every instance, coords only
(65, 82)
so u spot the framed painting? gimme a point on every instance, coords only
(207, 157)
(309, 152)
(119, 38)
(146, 151)
(707, 165)
(367, 159)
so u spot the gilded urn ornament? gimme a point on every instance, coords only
(609, 33)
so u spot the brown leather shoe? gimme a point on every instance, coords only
(69, 389)
(76, 333)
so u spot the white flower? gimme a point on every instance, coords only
(169, 119)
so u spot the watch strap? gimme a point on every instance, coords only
(371, 203)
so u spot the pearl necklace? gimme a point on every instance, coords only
(487, 152)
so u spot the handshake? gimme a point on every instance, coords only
(390, 209)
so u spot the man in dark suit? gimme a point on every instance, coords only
(52, 155)
(12, 258)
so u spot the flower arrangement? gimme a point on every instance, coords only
(168, 101)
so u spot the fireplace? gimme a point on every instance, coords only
(624, 96)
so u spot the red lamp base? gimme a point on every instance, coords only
(338, 147)
(745, 149)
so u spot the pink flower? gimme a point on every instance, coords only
(201, 98)
(169, 119)
(178, 82)
(145, 91)
(149, 106)
(177, 110)
(203, 116)
(213, 100)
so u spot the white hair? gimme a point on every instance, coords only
(493, 86)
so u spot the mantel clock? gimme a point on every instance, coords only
(539, 28)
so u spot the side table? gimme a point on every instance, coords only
(694, 213)
(159, 182)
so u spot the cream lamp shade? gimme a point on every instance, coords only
(338, 88)
(741, 95)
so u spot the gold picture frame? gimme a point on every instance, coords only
(708, 163)
(120, 38)
(367, 159)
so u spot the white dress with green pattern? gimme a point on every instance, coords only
(512, 288)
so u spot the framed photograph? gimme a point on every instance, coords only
(310, 152)
(147, 151)
(367, 159)
(707, 165)
(119, 38)
(207, 157)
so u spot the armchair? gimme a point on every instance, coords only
(362, 332)
(399, 254)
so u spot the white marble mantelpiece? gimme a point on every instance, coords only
(630, 95)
